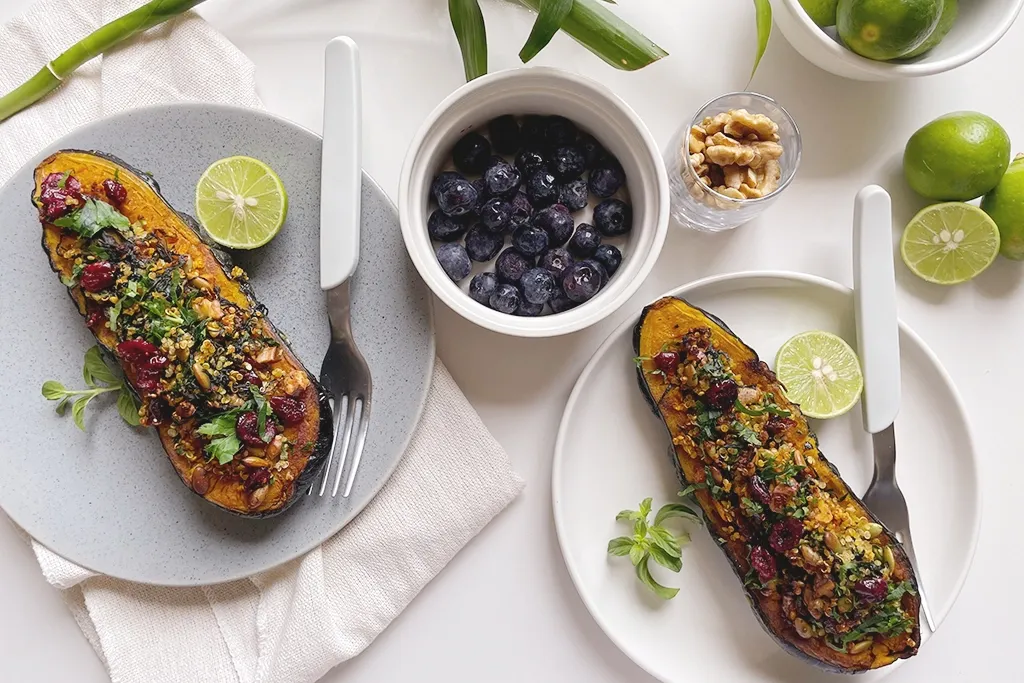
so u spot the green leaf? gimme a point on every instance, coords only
(78, 411)
(640, 527)
(671, 510)
(52, 390)
(550, 17)
(620, 546)
(112, 315)
(666, 559)
(643, 573)
(468, 24)
(262, 412)
(627, 516)
(126, 406)
(94, 215)
(222, 424)
(637, 553)
(95, 369)
(645, 507)
(62, 407)
(688, 491)
(663, 539)
(599, 30)
(763, 13)
(746, 433)
(224, 448)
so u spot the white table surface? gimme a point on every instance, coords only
(505, 609)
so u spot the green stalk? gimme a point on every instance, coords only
(607, 36)
(99, 41)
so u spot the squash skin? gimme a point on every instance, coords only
(182, 234)
(671, 318)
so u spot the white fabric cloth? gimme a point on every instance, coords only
(291, 624)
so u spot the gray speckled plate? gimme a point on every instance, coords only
(108, 499)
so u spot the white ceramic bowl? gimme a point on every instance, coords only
(979, 25)
(595, 109)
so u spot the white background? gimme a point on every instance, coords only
(505, 609)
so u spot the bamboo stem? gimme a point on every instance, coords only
(96, 43)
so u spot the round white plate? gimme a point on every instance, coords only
(612, 452)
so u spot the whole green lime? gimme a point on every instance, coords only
(950, 10)
(821, 12)
(958, 156)
(886, 29)
(1005, 204)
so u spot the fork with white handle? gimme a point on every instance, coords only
(344, 373)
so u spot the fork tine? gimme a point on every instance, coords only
(340, 408)
(357, 453)
(350, 405)
(356, 419)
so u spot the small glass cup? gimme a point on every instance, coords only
(697, 205)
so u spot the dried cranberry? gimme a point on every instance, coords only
(246, 428)
(115, 191)
(135, 350)
(871, 590)
(759, 490)
(785, 535)
(95, 315)
(250, 377)
(97, 276)
(781, 494)
(258, 479)
(777, 425)
(667, 361)
(59, 194)
(722, 395)
(157, 412)
(291, 411)
(146, 362)
(763, 563)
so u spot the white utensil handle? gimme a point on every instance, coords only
(874, 284)
(340, 164)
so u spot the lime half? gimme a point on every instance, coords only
(820, 372)
(241, 202)
(949, 243)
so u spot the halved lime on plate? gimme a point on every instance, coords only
(241, 202)
(820, 372)
(949, 243)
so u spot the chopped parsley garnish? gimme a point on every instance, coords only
(712, 368)
(769, 473)
(225, 442)
(706, 422)
(751, 507)
(93, 216)
(745, 433)
(768, 407)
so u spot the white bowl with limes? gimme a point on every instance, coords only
(979, 25)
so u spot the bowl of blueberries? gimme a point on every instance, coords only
(534, 201)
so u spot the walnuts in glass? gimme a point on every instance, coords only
(736, 154)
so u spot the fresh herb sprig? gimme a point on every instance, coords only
(653, 541)
(101, 380)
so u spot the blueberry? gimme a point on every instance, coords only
(501, 178)
(444, 228)
(558, 261)
(609, 257)
(456, 197)
(482, 286)
(584, 241)
(504, 132)
(496, 215)
(582, 282)
(481, 192)
(454, 260)
(573, 194)
(591, 148)
(441, 180)
(541, 188)
(606, 178)
(556, 221)
(482, 244)
(505, 299)
(613, 217)
(530, 240)
(559, 131)
(529, 160)
(522, 211)
(567, 163)
(538, 285)
(593, 263)
(511, 265)
(528, 310)
(560, 302)
(471, 153)
(532, 132)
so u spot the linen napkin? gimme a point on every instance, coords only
(451, 481)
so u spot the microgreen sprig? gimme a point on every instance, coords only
(101, 380)
(653, 541)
